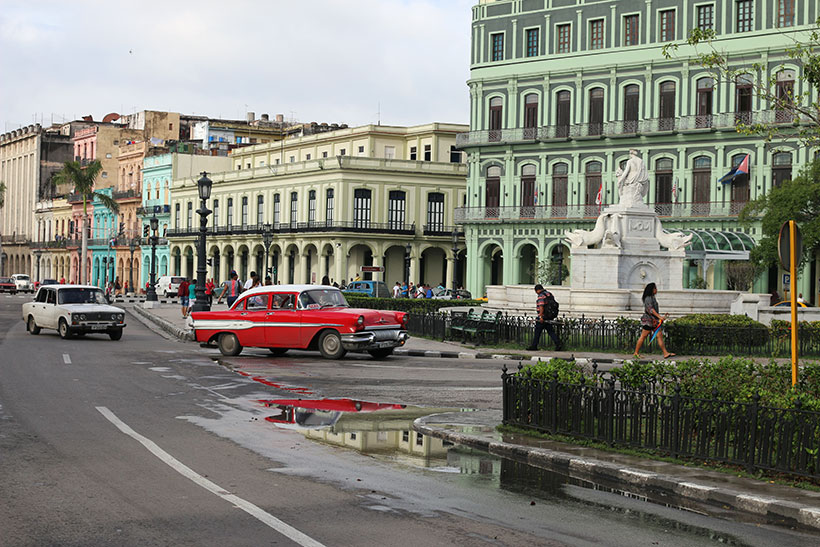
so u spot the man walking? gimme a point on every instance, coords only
(547, 308)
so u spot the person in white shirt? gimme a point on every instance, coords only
(800, 298)
(251, 282)
(397, 290)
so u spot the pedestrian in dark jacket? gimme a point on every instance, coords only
(544, 320)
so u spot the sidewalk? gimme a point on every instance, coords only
(661, 482)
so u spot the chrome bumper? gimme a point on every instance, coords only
(363, 341)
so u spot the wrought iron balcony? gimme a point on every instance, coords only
(126, 194)
(442, 230)
(354, 226)
(718, 209)
(153, 210)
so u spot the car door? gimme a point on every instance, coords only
(254, 308)
(50, 314)
(38, 307)
(283, 323)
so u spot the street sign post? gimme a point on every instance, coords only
(790, 250)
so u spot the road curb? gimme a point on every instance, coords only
(659, 484)
(430, 353)
(167, 326)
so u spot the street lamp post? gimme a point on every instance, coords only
(204, 185)
(105, 271)
(407, 249)
(37, 255)
(132, 246)
(267, 239)
(151, 295)
(455, 260)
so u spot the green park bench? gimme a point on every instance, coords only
(487, 328)
(466, 324)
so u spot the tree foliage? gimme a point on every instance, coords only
(802, 108)
(2, 194)
(798, 200)
(551, 272)
(82, 179)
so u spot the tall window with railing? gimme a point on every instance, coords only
(361, 208)
(667, 107)
(177, 214)
(294, 209)
(229, 221)
(785, 96)
(781, 168)
(244, 212)
(701, 183)
(593, 181)
(596, 111)
(744, 86)
(496, 118)
(435, 211)
(705, 88)
(189, 222)
(260, 210)
(329, 206)
(311, 207)
(663, 184)
(562, 113)
(529, 191)
(396, 207)
(631, 108)
(740, 185)
(216, 214)
(492, 190)
(277, 210)
(530, 116)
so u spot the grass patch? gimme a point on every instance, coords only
(770, 478)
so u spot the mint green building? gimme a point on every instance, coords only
(560, 90)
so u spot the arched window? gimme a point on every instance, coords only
(596, 111)
(560, 181)
(562, 106)
(704, 113)
(631, 108)
(701, 180)
(663, 184)
(496, 118)
(667, 107)
(530, 115)
(781, 168)
(740, 184)
(593, 183)
(492, 190)
(529, 190)
(785, 96)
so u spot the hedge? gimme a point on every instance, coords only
(414, 305)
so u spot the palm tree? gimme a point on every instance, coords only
(82, 179)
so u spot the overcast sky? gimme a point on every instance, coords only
(312, 60)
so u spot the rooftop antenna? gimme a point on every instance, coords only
(379, 114)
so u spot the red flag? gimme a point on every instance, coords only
(599, 199)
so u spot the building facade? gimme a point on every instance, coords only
(560, 91)
(332, 203)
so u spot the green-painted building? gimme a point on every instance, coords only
(560, 90)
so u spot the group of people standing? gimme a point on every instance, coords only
(651, 320)
(405, 290)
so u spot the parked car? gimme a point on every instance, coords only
(73, 309)
(8, 285)
(788, 303)
(369, 288)
(23, 283)
(48, 282)
(168, 285)
(283, 317)
(440, 293)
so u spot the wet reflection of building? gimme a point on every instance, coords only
(474, 462)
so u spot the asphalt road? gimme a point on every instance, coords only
(150, 441)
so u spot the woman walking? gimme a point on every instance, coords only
(650, 320)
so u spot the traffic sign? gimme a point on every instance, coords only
(784, 245)
(372, 269)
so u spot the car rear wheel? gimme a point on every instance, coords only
(115, 334)
(330, 345)
(278, 351)
(32, 326)
(62, 328)
(229, 345)
(381, 353)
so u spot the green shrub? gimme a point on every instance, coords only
(569, 372)
(701, 332)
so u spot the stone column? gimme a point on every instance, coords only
(448, 282)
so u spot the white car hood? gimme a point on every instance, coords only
(90, 308)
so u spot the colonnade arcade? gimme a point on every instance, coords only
(310, 261)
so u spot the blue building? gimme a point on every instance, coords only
(157, 174)
(104, 228)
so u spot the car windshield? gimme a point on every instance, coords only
(322, 298)
(81, 296)
(22, 278)
(5, 280)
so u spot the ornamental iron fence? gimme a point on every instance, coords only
(748, 434)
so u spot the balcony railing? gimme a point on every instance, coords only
(625, 128)
(354, 226)
(717, 209)
(153, 210)
(126, 194)
(442, 230)
(13, 239)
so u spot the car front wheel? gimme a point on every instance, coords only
(229, 345)
(32, 326)
(115, 334)
(62, 328)
(330, 345)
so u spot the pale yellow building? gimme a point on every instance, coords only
(335, 202)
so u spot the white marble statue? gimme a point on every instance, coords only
(606, 230)
(672, 241)
(633, 182)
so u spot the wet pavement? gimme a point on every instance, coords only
(467, 444)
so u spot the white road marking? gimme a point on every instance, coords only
(266, 518)
(66, 359)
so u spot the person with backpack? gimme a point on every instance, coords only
(547, 308)
(231, 289)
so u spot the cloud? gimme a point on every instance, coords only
(322, 60)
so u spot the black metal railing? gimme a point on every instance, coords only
(738, 433)
(304, 227)
(619, 335)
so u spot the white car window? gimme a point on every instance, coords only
(81, 296)
(51, 298)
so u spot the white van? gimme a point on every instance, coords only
(23, 283)
(168, 285)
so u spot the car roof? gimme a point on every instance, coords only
(69, 286)
(286, 288)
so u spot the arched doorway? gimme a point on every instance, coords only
(433, 266)
(358, 256)
(527, 264)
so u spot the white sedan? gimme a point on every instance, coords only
(73, 309)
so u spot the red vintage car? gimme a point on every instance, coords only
(8, 285)
(283, 317)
